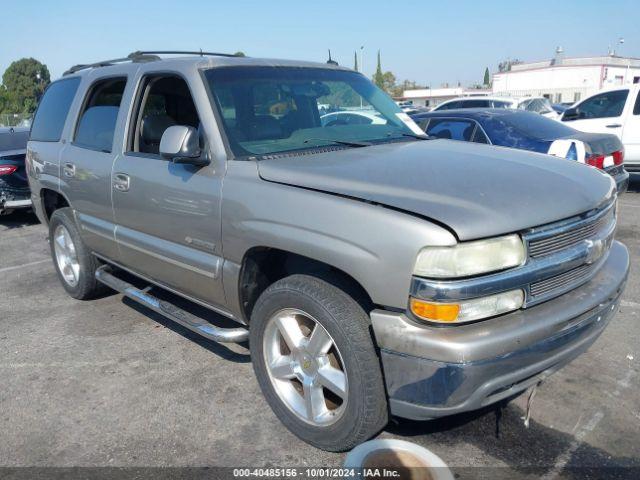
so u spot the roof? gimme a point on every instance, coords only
(475, 113)
(605, 60)
(197, 59)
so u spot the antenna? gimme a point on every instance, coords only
(331, 61)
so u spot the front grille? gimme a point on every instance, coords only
(571, 236)
(559, 283)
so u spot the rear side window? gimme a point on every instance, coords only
(97, 121)
(453, 129)
(604, 105)
(475, 104)
(636, 107)
(53, 109)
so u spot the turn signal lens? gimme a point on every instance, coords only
(437, 312)
(468, 310)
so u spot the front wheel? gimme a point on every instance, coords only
(316, 364)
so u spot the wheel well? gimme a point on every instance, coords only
(52, 201)
(263, 266)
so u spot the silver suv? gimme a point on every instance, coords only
(374, 271)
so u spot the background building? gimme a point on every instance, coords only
(430, 97)
(566, 79)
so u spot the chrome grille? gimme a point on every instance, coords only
(571, 236)
(559, 283)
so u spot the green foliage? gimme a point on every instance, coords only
(506, 65)
(355, 61)
(239, 53)
(23, 84)
(378, 77)
(487, 77)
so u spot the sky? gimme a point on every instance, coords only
(429, 42)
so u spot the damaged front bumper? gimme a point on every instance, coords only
(433, 371)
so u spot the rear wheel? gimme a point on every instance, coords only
(75, 264)
(316, 363)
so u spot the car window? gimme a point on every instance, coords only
(53, 110)
(535, 126)
(449, 106)
(474, 104)
(448, 128)
(273, 110)
(97, 120)
(604, 105)
(165, 101)
(636, 107)
(500, 104)
(479, 136)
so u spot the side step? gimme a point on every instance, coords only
(178, 315)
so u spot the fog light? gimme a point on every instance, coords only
(468, 310)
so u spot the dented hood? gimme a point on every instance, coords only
(476, 190)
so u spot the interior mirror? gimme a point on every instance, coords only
(181, 144)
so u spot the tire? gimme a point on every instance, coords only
(347, 422)
(85, 286)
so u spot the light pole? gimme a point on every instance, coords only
(361, 68)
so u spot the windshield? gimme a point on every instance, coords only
(270, 110)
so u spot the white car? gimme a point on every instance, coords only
(614, 111)
(539, 105)
(351, 117)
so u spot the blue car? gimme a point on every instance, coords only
(528, 131)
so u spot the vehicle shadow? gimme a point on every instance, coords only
(634, 183)
(18, 219)
(530, 452)
(219, 349)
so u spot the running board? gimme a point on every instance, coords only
(178, 315)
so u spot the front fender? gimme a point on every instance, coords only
(375, 245)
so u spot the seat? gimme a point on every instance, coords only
(152, 128)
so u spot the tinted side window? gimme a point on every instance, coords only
(97, 121)
(604, 105)
(479, 136)
(53, 109)
(475, 104)
(499, 104)
(453, 129)
(636, 107)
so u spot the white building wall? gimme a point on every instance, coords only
(563, 83)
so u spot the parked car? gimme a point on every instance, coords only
(615, 111)
(14, 188)
(373, 271)
(559, 108)
(538, 105)
(528, 131)
(354, 117)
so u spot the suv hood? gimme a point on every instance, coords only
(476, 190)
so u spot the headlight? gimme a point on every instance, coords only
(470, 258)
(468, 310)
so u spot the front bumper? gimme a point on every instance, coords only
(437, 371)
(622, 181)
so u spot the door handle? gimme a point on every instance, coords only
(614, 125)
(121, 182)
(69, 170)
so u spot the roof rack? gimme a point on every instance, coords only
(143, 56)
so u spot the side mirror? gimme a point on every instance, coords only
(572, 113)
(181, 144)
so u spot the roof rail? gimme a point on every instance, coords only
(142, 56)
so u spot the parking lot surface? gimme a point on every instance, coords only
(109, 383)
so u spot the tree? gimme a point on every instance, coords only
(487, 77)
(355, 61)
(25, 81)
(239, 53)
(378, 77)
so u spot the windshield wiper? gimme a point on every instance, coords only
(339, 142)
(419, 137)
